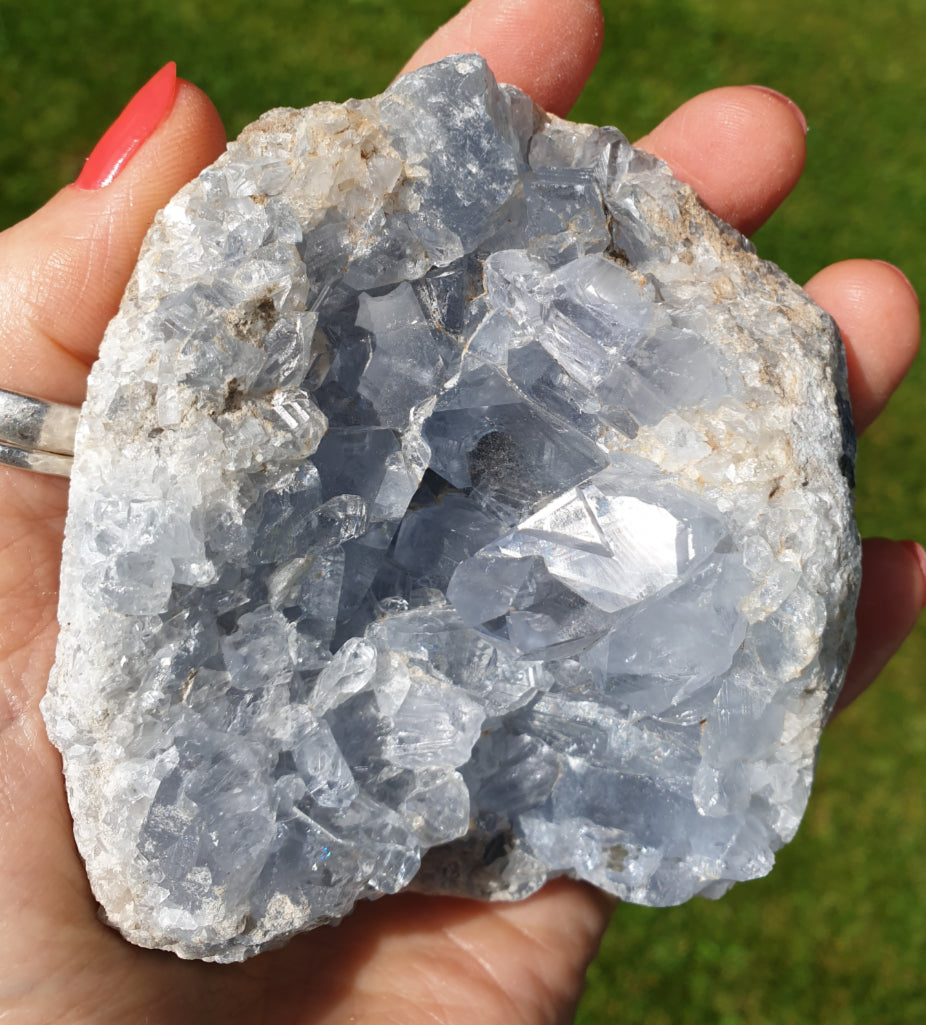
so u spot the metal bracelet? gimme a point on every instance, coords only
(36, 435)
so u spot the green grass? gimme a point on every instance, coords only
(837, 934)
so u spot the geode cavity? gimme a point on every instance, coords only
(457, 504)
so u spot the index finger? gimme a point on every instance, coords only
(547, 48)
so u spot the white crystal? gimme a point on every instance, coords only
(451, 486)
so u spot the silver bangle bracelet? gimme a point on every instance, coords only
(36, 435)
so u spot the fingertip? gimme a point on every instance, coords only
(66, 266)
(189, 139)
(201, 123)
(915, 549)
(892, 596)
(778, 97)
(104, 229)
(741, 148)
(547, 48)
(878, 314)
(138, 119)
(902, 278)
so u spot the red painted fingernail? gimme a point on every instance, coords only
(903, 277)
(787, 101)
(917, 551)
(145, 111)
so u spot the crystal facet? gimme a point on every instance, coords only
(457, 504)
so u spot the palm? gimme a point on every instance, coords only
(465, 954)
(406, 958)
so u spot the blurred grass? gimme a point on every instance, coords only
(837, 933)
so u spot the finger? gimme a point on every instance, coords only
(893, 594)
(878, 315)
(547, 48)
(741, 148)
(515, 963)
(63, 270)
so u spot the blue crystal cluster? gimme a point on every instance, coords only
(457, 505)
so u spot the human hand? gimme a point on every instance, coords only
(407, 958)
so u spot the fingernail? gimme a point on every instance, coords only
(917, 551)
(903, 277)
(787, 101)
(145, 111)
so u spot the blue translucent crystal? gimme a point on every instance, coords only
(456, 505)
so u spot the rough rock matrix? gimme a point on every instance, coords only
(457, 504)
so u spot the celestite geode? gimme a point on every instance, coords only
(457, 504)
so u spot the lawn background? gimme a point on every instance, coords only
(837, 934)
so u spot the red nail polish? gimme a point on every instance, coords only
(787, 101)
(144, 113)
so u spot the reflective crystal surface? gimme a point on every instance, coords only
(457, 505)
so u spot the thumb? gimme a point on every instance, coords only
(63, 270)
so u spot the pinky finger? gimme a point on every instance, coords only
(893, 593)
